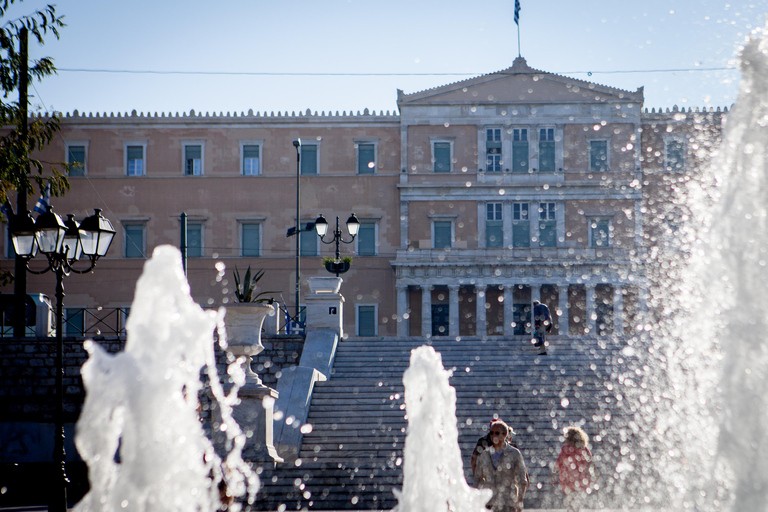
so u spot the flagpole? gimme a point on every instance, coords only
(517, 22)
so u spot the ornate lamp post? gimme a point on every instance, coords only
(353, 226)
(62, 243)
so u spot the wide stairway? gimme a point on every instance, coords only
(353, 456)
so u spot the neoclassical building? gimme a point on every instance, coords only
(474, 199)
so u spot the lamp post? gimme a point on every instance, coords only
(353, 226)
(62, 243)
(297, 145)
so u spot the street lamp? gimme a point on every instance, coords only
(62, 243)
(353, 226)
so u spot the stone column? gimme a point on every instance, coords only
(535, 293)
(426, 310)
(404, 224)
(590, 310)
(618, 310)
(562, 299)
(453, 310)
(509, 299)
(325, 305)
(402, 309)
(481, 324)
(506, 215)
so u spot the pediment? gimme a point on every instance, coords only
(519, 84)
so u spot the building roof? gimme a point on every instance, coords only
(519, 84)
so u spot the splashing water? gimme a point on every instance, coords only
(710, 424)
(433, 474)
(139, 431)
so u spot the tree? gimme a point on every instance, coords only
(18, 171)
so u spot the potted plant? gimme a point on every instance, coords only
(337, 266)
(245, 288)
(244, 319)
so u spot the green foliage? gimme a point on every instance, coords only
(345, 259)
(245, 289)
(19, 172)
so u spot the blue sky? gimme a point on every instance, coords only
(443, 40)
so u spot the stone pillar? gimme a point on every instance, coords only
(402, 309)
(535, 293)
(325, 305)
(589, 319)
(453, 310)
(481, 324)
(426, 311)
(618, 310)
(509, 299)
(563, 321)
(404, 223)
(254, 414)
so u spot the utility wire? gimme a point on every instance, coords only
(265, 73)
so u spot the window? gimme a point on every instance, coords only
(309, 156)
(442, 234)
(598, 155)
(135, 240)
(193, 159)
(441, 156)
(600, 232)
(547, 225)
(10, 251)
(520, 150)
(250, 156)
(366, 320)
(309, 242)
(493, 149)
(194, 239)
(135, 158)
(547, 150)
(366, 239)
(76, 159)
(250, 239)
(74, 321)
(494, 229)
(521, 225)
(366, 158)
(675, 156)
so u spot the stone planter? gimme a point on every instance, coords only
(244, 321)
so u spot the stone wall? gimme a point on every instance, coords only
(27, 373)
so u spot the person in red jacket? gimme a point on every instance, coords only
(574, 469)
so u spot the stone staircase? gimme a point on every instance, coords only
(352, 458)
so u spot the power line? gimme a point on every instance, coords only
(342, 74)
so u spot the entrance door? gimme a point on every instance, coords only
(521, 315)
(440, 320)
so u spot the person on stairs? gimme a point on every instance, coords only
(574, 469)
(542, 322)
(501, 468)
(484, 443)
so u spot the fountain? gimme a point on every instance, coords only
(695, 381)
(433, 471)
(140, 430)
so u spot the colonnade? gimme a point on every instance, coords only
(560, 310)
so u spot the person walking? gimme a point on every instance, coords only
(542, 322)
(501, 468)
(484, 443)
(574, 469)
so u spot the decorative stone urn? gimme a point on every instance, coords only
(244, 321)
(254, 413)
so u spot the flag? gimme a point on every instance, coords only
(7, 209)
(517, 12)
(42, 204)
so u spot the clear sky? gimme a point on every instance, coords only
(321, 42)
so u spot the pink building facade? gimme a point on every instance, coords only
(475, 199)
